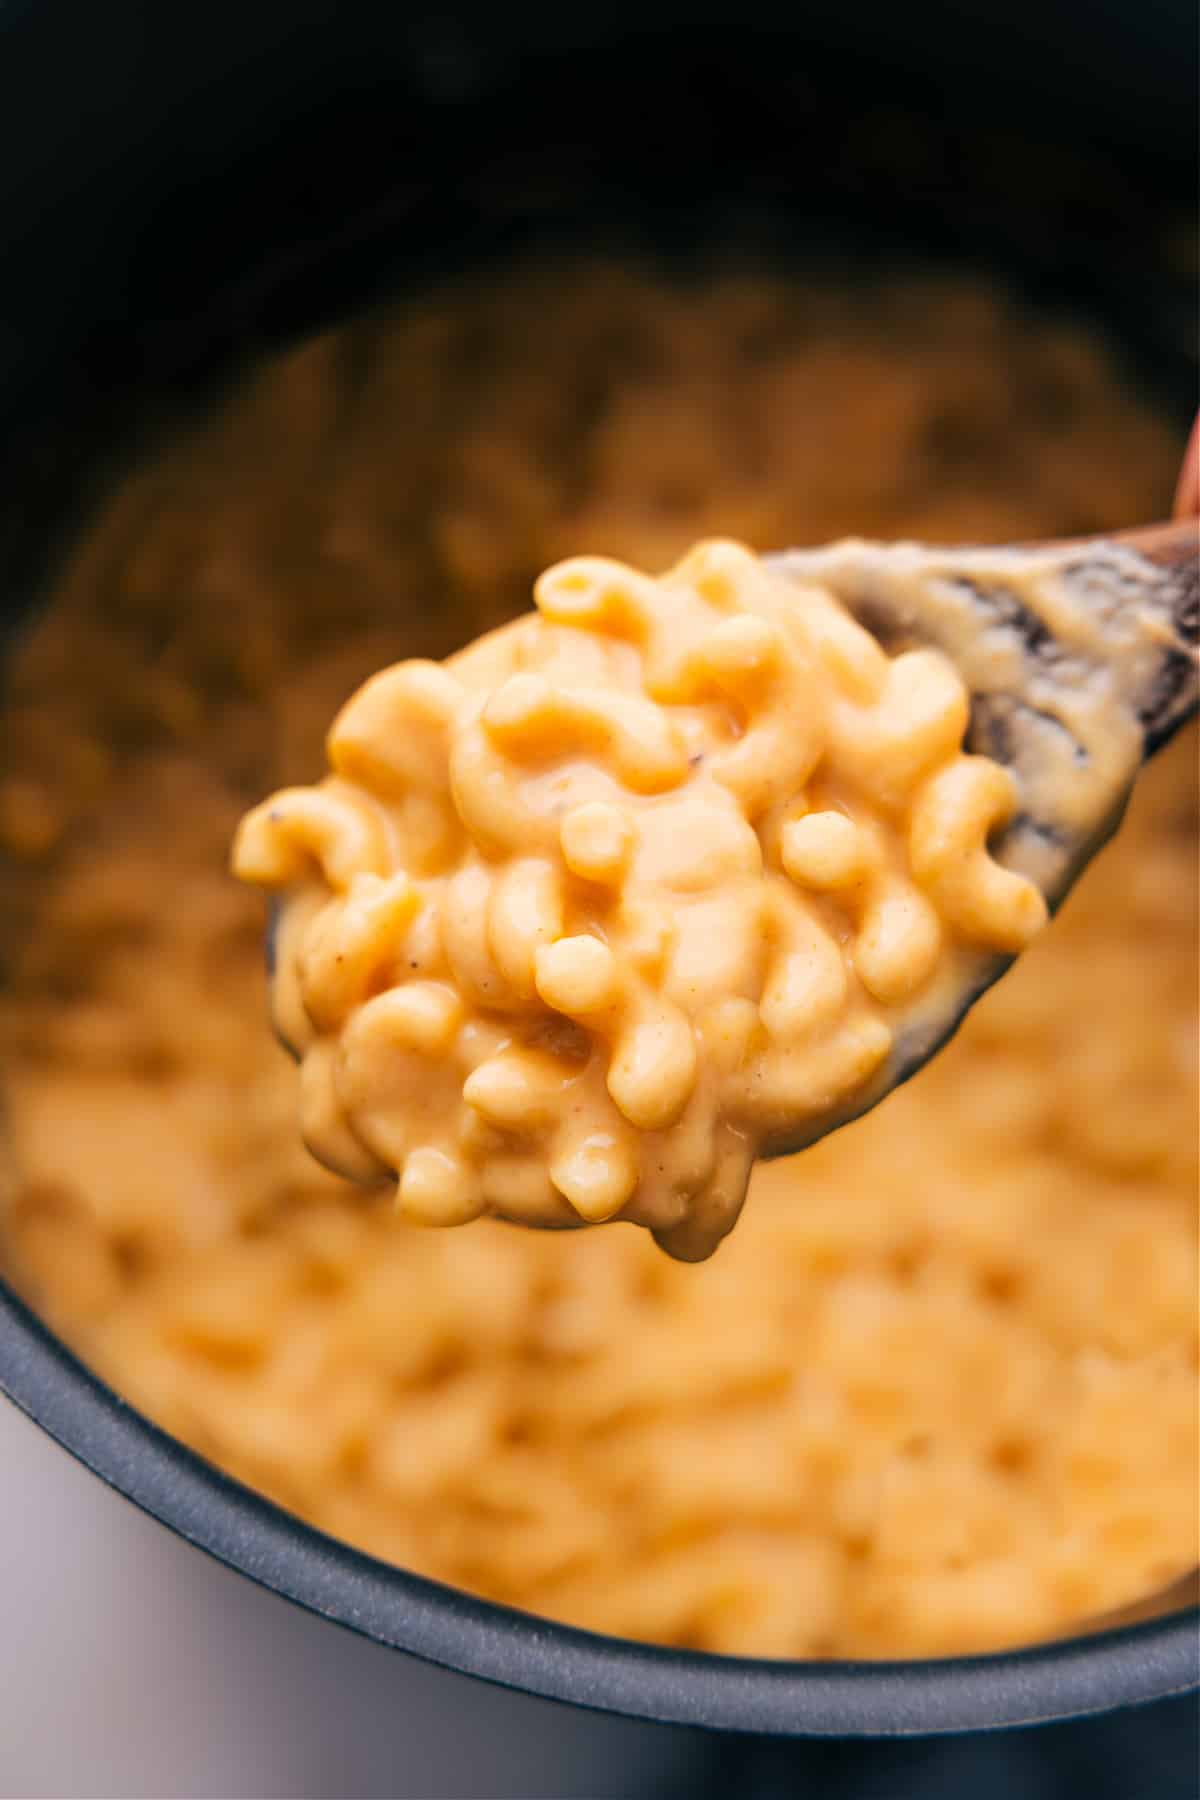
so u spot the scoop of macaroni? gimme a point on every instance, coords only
(639, 885)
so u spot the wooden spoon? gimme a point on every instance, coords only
(1081, 660)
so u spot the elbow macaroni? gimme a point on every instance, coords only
(623, 893)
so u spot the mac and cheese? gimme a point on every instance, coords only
(628, 889)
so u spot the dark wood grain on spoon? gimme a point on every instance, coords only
(1171, 555)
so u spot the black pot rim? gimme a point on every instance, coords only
(445, 1626)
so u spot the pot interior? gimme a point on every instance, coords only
(340, 174)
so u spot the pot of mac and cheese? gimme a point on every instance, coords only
(343, 333)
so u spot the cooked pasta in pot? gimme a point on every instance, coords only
(947, 1402)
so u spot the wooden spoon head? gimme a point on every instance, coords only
(1081, 661)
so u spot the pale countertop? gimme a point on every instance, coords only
(134, 1666)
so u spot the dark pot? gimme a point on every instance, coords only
(181, 185)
